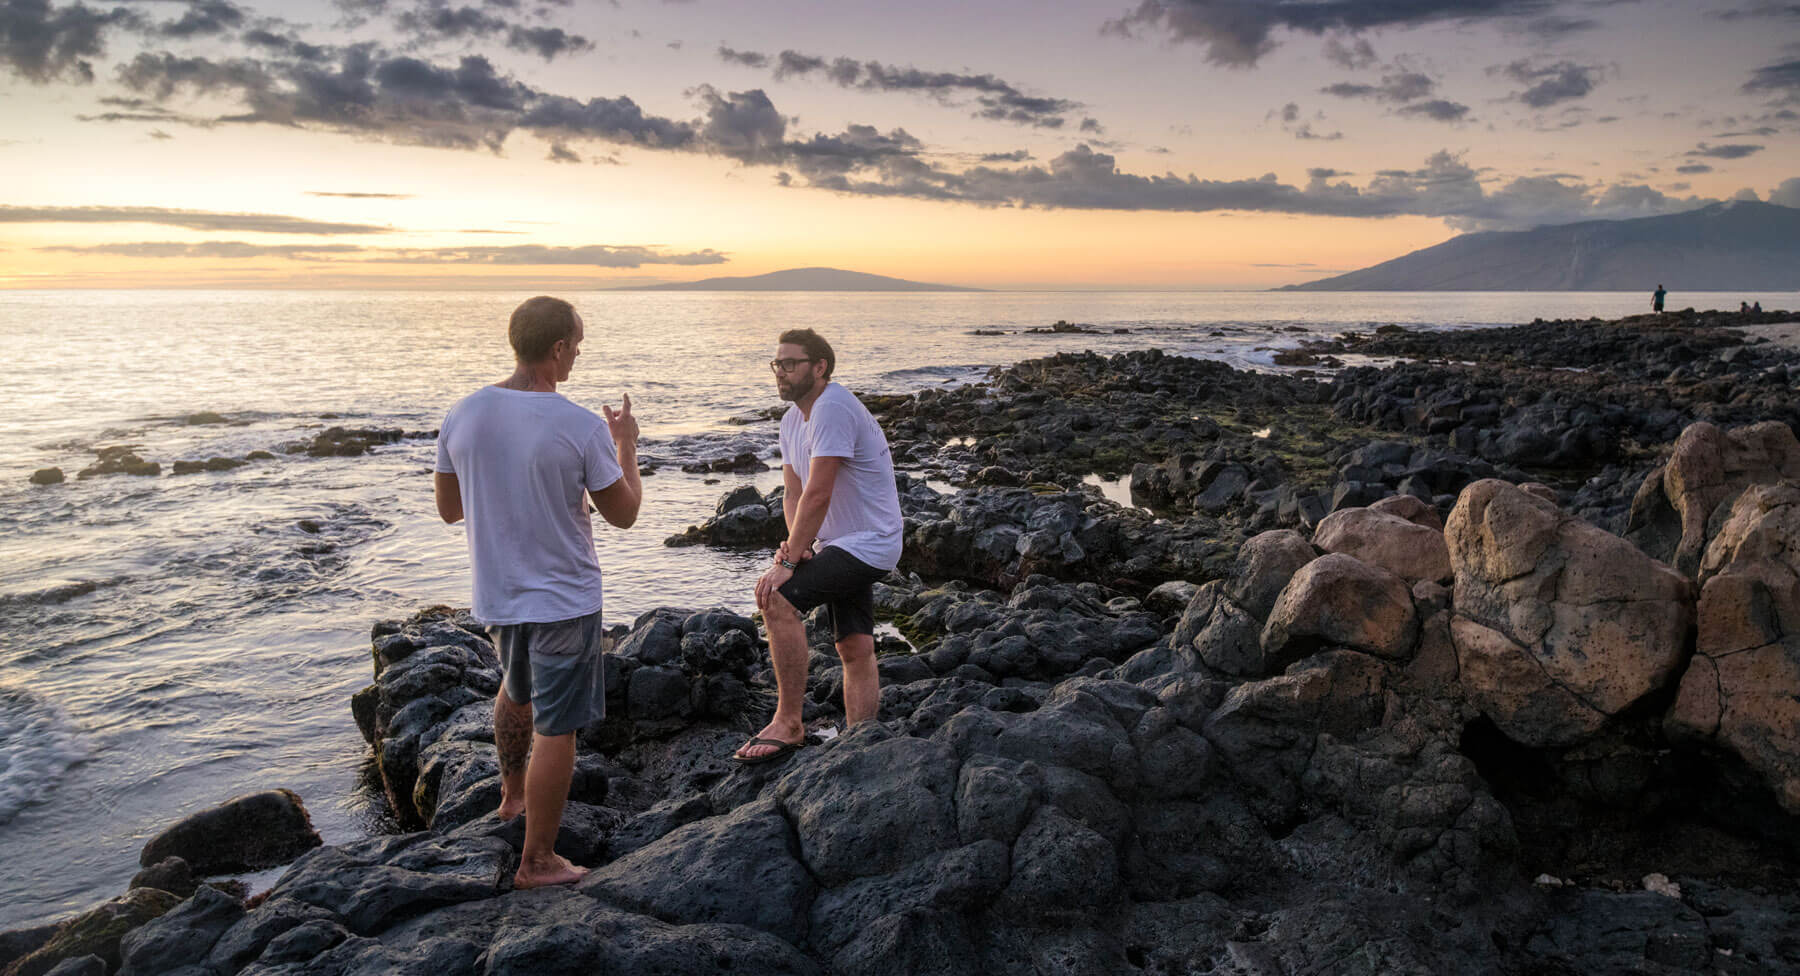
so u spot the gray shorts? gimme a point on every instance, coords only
(556, 667)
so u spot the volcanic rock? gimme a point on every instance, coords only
(248, 833)
(1672, 511)
(1742, 689)
(1559, 625)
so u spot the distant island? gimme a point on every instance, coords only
(1739, 246)
(802, 279)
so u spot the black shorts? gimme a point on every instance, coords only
(843, 584)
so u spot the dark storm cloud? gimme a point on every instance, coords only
(1693, 168)
(749, 59)
(560, 153)
(591, 255)
(1553, 27)
(791, 63)
(433, 21)
(1305, 132)
(994, 98)
(1445, 187)
(449, 23)
(208, 249)
(190, 219)
(546, 42)
(143, 110)
(43, 44)
(1549, 84)
(1355, 56)
(284, 44)
(1397, 86)
(1438, 110)
(1735, 150)
(1238, 33)
(1780, 78)
(1759, 11)
(205, 18)
(1016, 156)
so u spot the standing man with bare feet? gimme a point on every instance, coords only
(844, 533)
(520, 462)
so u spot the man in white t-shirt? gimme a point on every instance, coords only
(844, 533)
(517, 463)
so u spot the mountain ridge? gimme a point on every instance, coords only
(1740, 245)
(802, 279)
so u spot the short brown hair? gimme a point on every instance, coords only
(815, 345)
(538, 324)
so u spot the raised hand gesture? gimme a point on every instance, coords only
(624, 426)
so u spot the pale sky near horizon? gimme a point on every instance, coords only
(1182, 144)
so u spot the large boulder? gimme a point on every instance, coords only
(1340, 600)
(248, 833)
(1221, 628)
(1559, 624)
(1742, 689)
(1707, 468)
(1410, 551)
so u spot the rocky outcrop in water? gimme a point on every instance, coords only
(119, 460)
(251, 832)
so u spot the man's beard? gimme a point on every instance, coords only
(793, 390)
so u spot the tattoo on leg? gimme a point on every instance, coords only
(512, 737)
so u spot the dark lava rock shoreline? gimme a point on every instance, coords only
(1485, 662)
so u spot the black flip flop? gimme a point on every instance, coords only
(782, 751)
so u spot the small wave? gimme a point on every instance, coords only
(920, 377)
(37, 746)
(709, 446)
(60, 594)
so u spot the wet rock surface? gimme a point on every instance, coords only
(1377, 703)
(251, 832)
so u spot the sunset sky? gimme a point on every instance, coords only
(1182, 144)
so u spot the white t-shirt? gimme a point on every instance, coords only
(525, 463)
(864, 517)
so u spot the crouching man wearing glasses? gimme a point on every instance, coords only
(844, 533)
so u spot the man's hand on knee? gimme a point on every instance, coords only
(769, 585)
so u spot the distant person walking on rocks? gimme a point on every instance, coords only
(518, 462)
(844, 534)
(1656, 299)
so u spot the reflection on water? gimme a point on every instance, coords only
(1116, 490)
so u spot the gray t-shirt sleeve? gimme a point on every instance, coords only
(833, 431)
(444, 466)
(601, 459)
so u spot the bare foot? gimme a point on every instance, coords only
(509, 808)
(774, 730)
(553, 870)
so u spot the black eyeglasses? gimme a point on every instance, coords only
(787, 365)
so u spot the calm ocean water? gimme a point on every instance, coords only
(168, 643)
